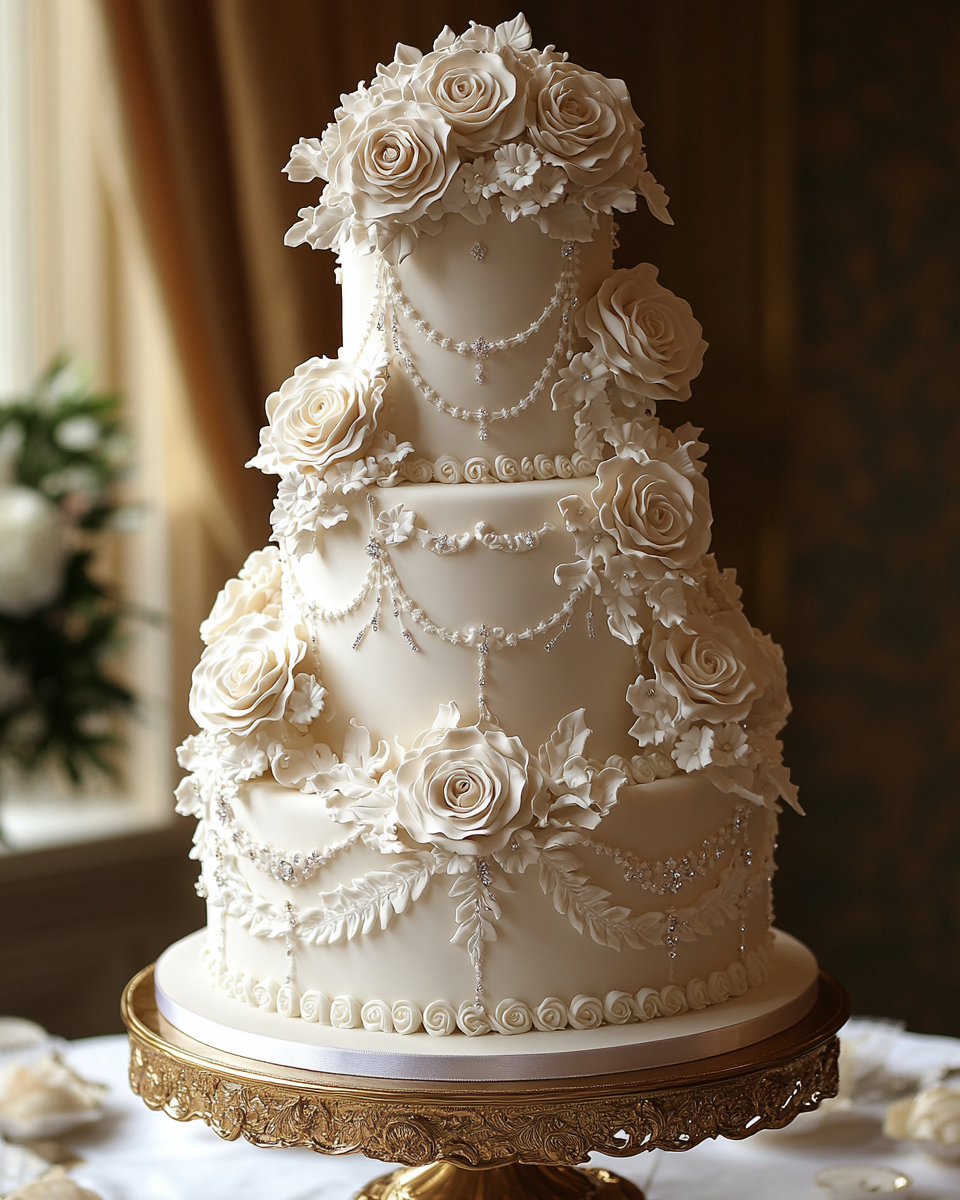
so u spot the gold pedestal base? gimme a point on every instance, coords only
(488, 1140)
(443, 1181)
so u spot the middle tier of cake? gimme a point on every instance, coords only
(457, 566)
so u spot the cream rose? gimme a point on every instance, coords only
(246, 676)
(393, 161)
(468, 790)
(551, 1014)
(322, 414)
(472, 1020)
(645, 333)
(659, 516)
(477, 94)
(512, 1016)
(710, 665)
(407, 1016)
(439, 1018)
(580, 121)
(256, 590)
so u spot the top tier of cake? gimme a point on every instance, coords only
(479, 318)
(470, 199)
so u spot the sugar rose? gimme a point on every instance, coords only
(582, 122)
(256, 590)
(710, 665)
(659, 516)
(246, 676)
(645, 333)
(468, 790)
(476, 92)
(393, 161)
(322, 414)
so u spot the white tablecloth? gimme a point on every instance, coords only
(136, 1154)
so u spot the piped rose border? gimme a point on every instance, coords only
(440, 1018)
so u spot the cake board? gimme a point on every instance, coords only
(503, 1138)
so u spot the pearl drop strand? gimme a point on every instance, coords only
(382, 577)
(668, 877)
(480, 348)
(292, 867)
(565, 291)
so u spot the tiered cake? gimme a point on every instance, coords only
(487, 743)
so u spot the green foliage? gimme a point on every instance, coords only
(59, 704)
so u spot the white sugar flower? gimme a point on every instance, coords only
(581, 121)
(547, 186)
(256, 590)
(693, 747)
(519, 853)
(480, 179)
(324, 413)
(468, 790)
(306, 161)
(245, 678)
(645, 333)
(654, 708)
(477, 93)
(658, 511)
(393, 161)
(306, 700)
(581, 382)
(517, 164)
(712, 666)
(304, 503)
(729, 745)
(396, 525)
(241, 760)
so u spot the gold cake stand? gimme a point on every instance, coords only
(488, 1141)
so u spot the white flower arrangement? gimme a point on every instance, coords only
(483, 119)
(63, 453)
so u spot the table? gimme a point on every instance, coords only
(136, 1154)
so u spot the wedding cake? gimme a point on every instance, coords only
(487, 744)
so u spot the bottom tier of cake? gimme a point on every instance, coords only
(185, 999)
(664, 907)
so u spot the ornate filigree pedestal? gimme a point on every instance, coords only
(481, 1141)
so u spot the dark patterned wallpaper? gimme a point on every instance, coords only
(872, 877)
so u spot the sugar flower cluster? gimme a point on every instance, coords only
(253, 692)
(711, 693)
(484, 119)
(321, 439)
